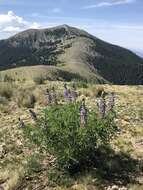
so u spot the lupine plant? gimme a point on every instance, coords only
(73, 146)
(71, 132)
(83, 114)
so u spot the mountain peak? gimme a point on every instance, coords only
(79, 52)
(61, 30)
(64, 26)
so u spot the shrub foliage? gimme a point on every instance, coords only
(74, 147)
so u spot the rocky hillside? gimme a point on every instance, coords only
(73, 51)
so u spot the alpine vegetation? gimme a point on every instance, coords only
(70, 95)
(83, 114)
(72, 134)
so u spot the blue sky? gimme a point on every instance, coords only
(116, 21)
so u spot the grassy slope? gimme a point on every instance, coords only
(74, 60)
(13, 164)
(30, 72)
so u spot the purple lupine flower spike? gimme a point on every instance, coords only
(102, 106)
(49, 97)
(65, 92)
(74, 93)
(111, 102)
(83, 114)
(54, 96)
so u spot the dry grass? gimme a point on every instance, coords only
(6, 90)
(25, 98)
(11, 177)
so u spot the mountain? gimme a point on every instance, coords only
(72, 52)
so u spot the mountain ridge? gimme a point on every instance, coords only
(74, 51)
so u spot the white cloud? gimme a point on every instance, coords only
(35, 25)
(109, 4)
(11, 29)
(11, 23)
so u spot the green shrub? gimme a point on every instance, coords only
(25, 98)
(73, 146)
(39, 80)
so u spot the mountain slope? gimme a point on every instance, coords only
(72, 50)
